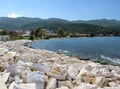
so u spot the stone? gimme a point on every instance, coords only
(86, 86)
(26, 86)
(86, 79)
(62, 83)
(18, 79)
(1, 67)
(5, 77)
(73, 70)
(60, 77)
(108, 75)
(12, 85)
(63, 87)
(88, 67)
(112, 88)
(13, 53)
(52, 83)
(57, 75)
(7, 57)
(3, 51)
(22, 70)
(37, 78)
(11, 69)
(112, 84)
(2, 83)
(101, 81)
(40, 67)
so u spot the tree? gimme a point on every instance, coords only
(3, 32)
(40, 32)
(31, 37)
(60, 32)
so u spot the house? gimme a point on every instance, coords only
(4, 37)
(26, 33)
(16, 32)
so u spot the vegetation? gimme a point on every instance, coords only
(18, 37)
(50, 28)
(31, 37)
(4, 32)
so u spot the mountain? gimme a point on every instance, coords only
(14, 23)
(101, 22)
(25, 23)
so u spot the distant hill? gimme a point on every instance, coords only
(90, 26)
(101, 22)
(14, 23)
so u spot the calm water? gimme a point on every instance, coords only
(104, 49)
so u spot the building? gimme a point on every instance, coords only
(26, 33)
(4, 37)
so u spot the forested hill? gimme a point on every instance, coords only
(102, 26)
(101, 22)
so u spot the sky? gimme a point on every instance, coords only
(64, 9)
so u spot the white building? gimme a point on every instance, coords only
(4, 37)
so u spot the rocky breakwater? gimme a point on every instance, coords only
(22, 67)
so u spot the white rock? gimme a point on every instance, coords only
(73, 70)
(101, 81)
(13, 53)
(86, 69)
(108, 74)
(63, 87)
(111, 88)
(26, 86)
(22, 70)
(3, 51)
(41, 68)
(62, 83)
(37, 78)
(112, 84)
(12, 85)
(5, 77)
(17, 79)
(2, 84)
(52, 83)
(86, 86)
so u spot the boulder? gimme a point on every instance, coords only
(86, 86)
(112, 84)
(55, 73)
(3, 51)
(40, 67)
(63, 87)
(22, 70)
(73, 70)
(101, 81)
(11, 69)
(8, 57)
(62, 83)
(112, 88)
(26, 86)
(5, 77)
(18, 79)
(12, 85)
(108, 75)
(37, 78)
(12, 53)
(52, 83)
(2, 83)
(1, 67)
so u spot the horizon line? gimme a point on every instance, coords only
(61, 18)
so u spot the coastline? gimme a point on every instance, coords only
(22, 66)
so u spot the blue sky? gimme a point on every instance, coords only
(65, 9)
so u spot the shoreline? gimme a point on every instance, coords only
(102, 61)
(23, 66)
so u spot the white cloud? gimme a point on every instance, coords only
(13, 15)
